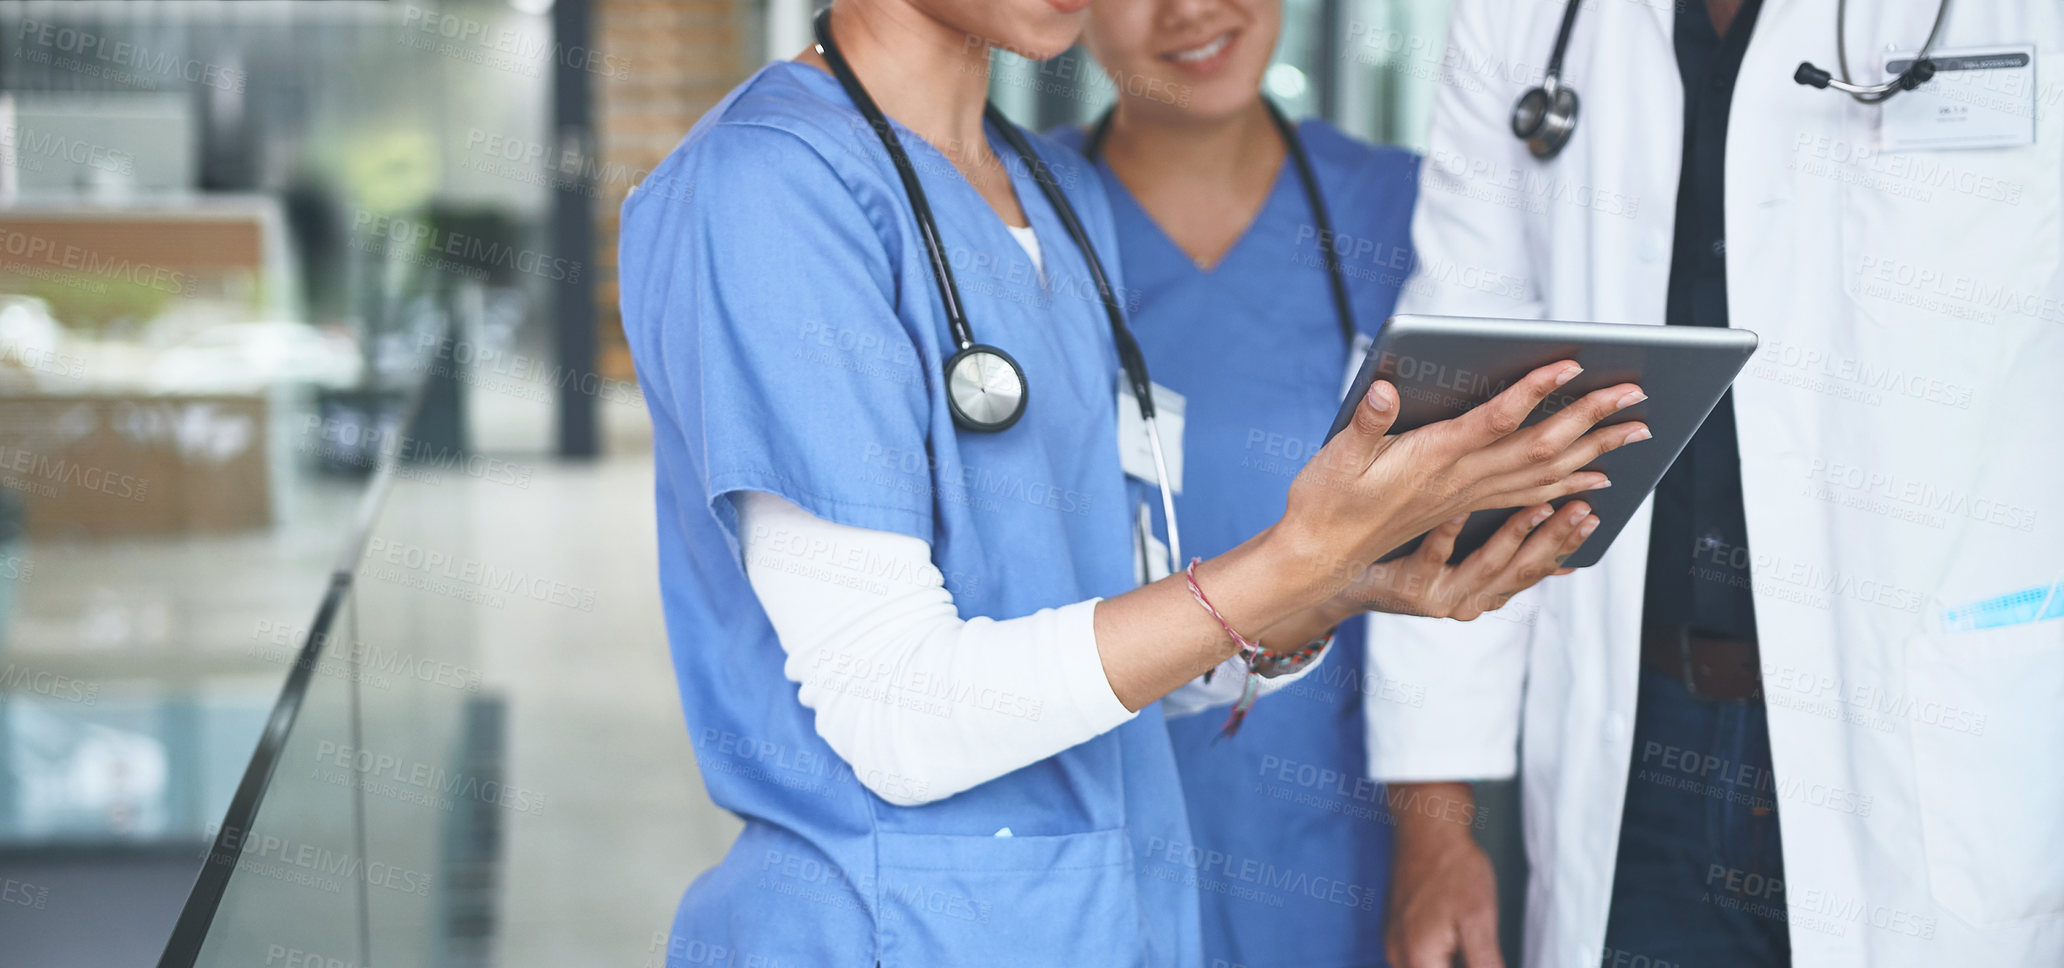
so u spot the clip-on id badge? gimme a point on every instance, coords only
(1135, 451)
(1980, 97)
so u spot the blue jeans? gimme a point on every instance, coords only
(1700, 879)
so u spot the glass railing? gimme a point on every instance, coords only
(236, 242)
(370, 825)
(287, 875)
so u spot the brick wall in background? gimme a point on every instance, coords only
(679, 58)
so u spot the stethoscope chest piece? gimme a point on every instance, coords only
(985, 389)
(1546, 117)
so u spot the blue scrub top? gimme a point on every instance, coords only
(1290, 843)
(790, 339)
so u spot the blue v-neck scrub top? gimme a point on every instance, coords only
(1290, 843)
(790, 339)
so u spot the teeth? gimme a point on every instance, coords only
(1206, 52)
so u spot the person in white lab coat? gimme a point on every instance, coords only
(1825, 691)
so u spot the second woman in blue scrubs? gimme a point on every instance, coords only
(1224, 233)
(910, 645)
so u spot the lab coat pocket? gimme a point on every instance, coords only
(1987, 718)
(1006, 901)
(1966, 238)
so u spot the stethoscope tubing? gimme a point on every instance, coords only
(1314, 199)
(1529, 126)
(1130, 359)
(1335, 276)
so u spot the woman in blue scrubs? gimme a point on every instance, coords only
(1225, 237)
(911, 648)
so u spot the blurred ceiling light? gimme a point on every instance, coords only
(533, 7)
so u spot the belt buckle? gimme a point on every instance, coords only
(1688, 674)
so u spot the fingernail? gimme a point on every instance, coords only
(1568, 374)
(1639, 434)
(1578, 509)
(1540, 516)
(1633, 397)
(1378, 401)
(1602, 485)
(1585, 529)
(1458, 519)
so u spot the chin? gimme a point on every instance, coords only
(1051, 43)
(1220, 98)
(1033, 29)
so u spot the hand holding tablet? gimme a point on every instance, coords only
(1465, 370)
(1493, 456)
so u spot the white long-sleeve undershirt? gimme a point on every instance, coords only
(919, 702)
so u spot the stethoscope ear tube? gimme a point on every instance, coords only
(1916, 74)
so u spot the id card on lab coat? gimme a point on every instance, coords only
(1980, 97)
(1135, 451)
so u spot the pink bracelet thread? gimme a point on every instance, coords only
(1247, 646)
(1251, 653)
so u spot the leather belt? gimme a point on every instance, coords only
(1711, 668)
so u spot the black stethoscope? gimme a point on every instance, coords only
(1546, 116)
(985, 388)
(1294, 146)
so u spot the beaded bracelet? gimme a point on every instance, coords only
(1261, 663)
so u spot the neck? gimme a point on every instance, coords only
(1238, 148)
(927, 75)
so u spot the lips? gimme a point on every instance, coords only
(1068, 6)
(1206, 57)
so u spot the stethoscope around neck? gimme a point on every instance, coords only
(986, 390)
(1546, 116)
(1314, 199)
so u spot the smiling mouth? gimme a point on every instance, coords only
(1202, 52)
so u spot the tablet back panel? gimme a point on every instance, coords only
(1443, 366)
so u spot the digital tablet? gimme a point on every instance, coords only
(1443, 366)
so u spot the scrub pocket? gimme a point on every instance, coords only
(1988, 724)
(1039, 902)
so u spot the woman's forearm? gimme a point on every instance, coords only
(1156, 638)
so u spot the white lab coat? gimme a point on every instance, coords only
(1902, 443)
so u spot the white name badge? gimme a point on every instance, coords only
(1980, 97)
(1135, 452)
(1355, 355)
